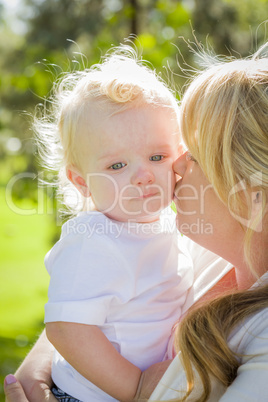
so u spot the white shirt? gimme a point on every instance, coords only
(250, 339)
(128, 279)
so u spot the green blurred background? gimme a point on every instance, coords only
(38, 40)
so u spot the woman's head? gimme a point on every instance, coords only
(224, 123)
(221, 200)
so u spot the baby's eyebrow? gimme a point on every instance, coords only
(109, 156)
(162, 147)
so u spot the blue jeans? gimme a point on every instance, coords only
(62, 396)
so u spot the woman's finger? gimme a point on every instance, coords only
(13, 390)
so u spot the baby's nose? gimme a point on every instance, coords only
(142, 176)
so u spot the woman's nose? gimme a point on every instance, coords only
(180, 165)
(142, 176)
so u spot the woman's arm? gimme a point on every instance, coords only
(150, 379)
(34, 375)
(88, 350)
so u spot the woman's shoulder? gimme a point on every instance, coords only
(251, 336)
(255, 325)
(258, 322)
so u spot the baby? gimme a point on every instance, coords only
(119, 274)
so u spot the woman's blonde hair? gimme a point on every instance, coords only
(224, 123)
(224, 120)
(121, 81)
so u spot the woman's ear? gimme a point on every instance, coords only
(75, 177)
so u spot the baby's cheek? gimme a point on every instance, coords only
(172, 180)
(104, 192)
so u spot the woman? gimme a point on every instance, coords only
(223, 342)
(224, 122)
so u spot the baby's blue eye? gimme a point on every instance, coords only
(117, 166)
(156, 158)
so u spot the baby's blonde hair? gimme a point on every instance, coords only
(121, 81)
(224, 123)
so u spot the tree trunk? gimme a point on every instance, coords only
(134, 17)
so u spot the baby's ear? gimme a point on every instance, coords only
(75, 177)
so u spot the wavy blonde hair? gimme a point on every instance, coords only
(224, 123)
(121, 81)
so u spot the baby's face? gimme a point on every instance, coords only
(126, 161)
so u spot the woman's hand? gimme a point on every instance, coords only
(32, 381)
(15, 393)
(149, 380)
(13, 390)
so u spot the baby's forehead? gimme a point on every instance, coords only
(101, 109)
(98, 118)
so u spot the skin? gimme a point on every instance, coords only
(38, 364)
(126, 162)
(196, 200)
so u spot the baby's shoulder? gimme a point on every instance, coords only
(84, 235)
(84, 224)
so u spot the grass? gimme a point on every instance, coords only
(24, 241)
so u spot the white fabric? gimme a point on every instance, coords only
(209, 268)
(251, 384)
(129, 279)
